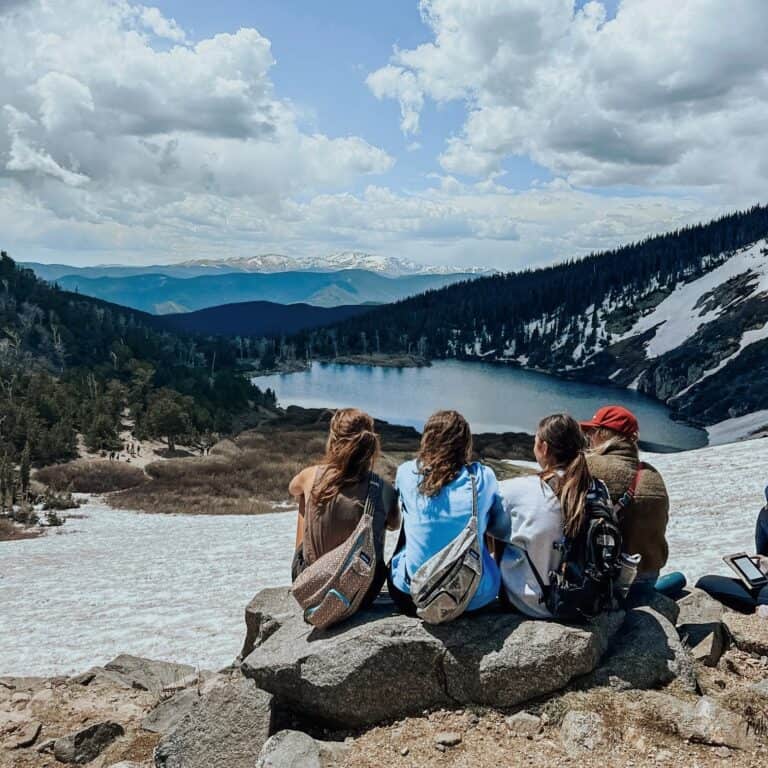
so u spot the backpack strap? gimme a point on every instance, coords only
(473, 480)
(372, 495)
(628, 496)
(537, 576)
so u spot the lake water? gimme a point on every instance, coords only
(493, 398)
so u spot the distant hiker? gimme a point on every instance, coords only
(639, 490)
(441, 493)
(551, 519)
(333, 493)
(733, 592)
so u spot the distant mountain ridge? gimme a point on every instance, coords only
(162, 294)
(257, 318)
(266, 263)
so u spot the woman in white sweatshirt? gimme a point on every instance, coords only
(540, 509)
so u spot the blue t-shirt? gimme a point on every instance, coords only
(432, 523)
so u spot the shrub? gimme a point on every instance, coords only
(96, 476)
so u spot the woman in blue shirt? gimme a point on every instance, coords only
(436, 502)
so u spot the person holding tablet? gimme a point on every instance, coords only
(750, 589)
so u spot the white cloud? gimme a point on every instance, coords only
(160, 25)
(670, 94)
(102, 122)
(122, 139)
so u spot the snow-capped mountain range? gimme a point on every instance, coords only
(334, 262)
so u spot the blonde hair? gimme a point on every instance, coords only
(604, 439)
(446, 447)
(566, 446)
(350, 452)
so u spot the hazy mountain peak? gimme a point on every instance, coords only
(275, 262)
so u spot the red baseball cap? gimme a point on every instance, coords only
(616, 418)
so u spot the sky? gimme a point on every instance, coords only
(500, 133)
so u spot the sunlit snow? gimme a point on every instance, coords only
(678, 318)
(174, 587)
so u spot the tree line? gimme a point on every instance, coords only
(547, 317)
(71, 365)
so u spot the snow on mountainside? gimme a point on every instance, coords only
(699, 344)
(274, 262)
(678, 317)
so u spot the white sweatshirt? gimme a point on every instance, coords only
(535, 525)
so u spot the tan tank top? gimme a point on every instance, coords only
(331, 524)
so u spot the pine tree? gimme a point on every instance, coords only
(25, 469)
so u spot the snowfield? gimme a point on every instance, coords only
(677, 318)
(174, 587)
(739, 427)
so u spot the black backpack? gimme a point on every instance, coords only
(583, 585)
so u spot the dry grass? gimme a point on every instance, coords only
(250, 473)
(11, 532)
(90, 476)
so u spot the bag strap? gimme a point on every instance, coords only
(372, 495)
(628, 497)
(473, 480)
(537, 575)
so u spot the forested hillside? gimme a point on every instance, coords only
(70, 363)
(258, 318)
(585, 319)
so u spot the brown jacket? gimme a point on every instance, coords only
(644, 522)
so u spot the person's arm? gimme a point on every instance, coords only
(761, 532)
(300, 522)
(393, 515)
(298, 489)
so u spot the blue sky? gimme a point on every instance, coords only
(323, 53)
(495, 133)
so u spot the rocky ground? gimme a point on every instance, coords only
(698, 698)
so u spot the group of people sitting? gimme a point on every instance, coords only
(521, 522)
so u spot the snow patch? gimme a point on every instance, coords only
(749, 337)
(737, 428)
(676, 319)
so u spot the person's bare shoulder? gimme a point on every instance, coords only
(303, 481)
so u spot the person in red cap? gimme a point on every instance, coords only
(634, 485)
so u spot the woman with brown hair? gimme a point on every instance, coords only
(539, 510)
(436, 500)
(332, 495)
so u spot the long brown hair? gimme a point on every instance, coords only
(446, 447)
(566, 446)
(350, 451)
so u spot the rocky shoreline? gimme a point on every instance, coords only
(667, 683)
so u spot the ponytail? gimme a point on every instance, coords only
(567, 448)
(350, 452)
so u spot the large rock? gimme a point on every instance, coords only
(703, 721)
(26, 736)
(700, 626)
(169, 713)
(227, 726)
(150, 675)
(87, 744)
(647, 654)
(382, 665)
(749, 632)
(294, 749)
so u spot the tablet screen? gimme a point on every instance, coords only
(748, 568)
